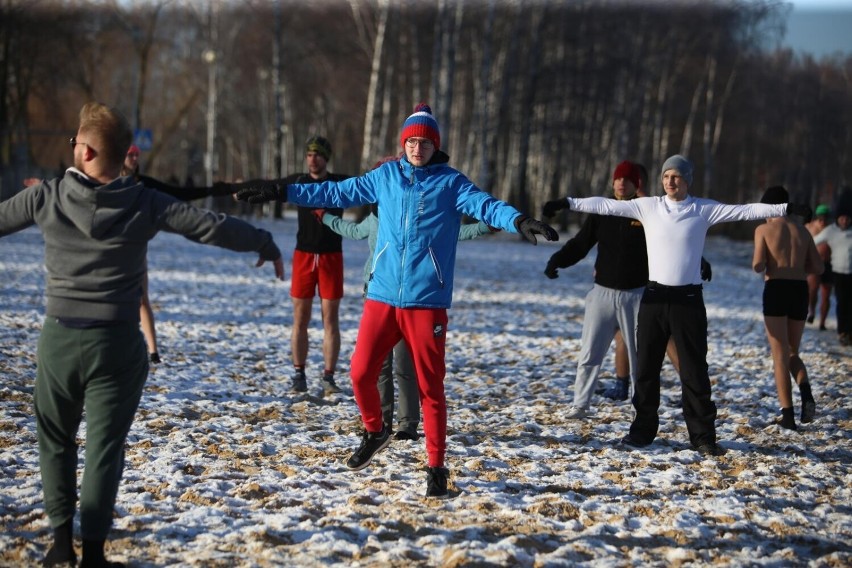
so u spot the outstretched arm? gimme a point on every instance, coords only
(474, 230)
(348, 229)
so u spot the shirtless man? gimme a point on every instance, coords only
(786, 252)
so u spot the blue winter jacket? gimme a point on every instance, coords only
(420, 211)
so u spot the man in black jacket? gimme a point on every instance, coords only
(621, 273)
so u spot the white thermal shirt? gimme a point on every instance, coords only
(675, 230)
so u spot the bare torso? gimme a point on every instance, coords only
(785, 249)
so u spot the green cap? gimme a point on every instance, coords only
(822, 209)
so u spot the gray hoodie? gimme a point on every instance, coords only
(96, 239)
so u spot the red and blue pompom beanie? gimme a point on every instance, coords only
(421, 124)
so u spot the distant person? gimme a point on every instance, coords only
(621, 273)
(785, 251)
(672, 305)
(91, 354)
(819, 285)
(421, 202)
(317, 270)
(838, 237)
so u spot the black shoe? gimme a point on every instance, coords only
(628, 440)
(436, 482)
(406, 435)
(808, 411)
(59, 559)
(371, 444)
(329, 387)
(299, 382)
(811, 318)
(710, 449)
(619, 391)
(845, 339)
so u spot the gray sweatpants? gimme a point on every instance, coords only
(607, 310)
(398, 365)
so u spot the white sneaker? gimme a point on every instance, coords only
(576, 413)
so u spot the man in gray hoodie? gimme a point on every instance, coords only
(91, 353)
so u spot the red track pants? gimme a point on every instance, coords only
(425, 333)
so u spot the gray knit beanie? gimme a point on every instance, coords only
(682, 165)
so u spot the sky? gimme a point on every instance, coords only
(820, 27)
(226, 467)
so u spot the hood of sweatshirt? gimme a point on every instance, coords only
(98, 209)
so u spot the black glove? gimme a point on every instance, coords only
(529, 227)
(801, 209)
(269, 251)
(154, 357)
(706, 271)
(551, 269)
(551, 207)
(260, 191)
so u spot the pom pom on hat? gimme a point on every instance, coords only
(319, 145)
(775, 195)
(421, 124)
(681, 165)
(627, 170)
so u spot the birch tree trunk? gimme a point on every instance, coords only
(369, 149)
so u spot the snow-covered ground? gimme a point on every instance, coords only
(225, 467)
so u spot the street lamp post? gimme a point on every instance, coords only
(210, 58)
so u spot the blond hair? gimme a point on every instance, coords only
(109, 130)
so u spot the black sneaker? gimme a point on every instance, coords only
(710, 449)
(371, 444)
(436, 482)
(299, 382)
(406, 435)
(628, 440)
(329, 386)
(619, 391)
(808, 411)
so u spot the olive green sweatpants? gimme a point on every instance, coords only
(100, 371)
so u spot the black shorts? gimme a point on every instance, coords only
(786, 298)
(827, 276)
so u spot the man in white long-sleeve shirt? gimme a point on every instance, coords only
(672, 305)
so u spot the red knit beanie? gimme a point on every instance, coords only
(421, 124)
(627, 170)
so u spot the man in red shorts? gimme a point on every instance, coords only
(317, 267)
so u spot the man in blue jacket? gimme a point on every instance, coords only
(421, 202)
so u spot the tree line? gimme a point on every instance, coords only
(534, 99)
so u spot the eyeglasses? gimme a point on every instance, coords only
(73, 142)
(424, 143)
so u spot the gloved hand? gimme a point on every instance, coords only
(706, 270)
(154, 357)
(801, 209)
(551, 269)
(260, 191)
(529, 227)
(551, 207)
(318, 213)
